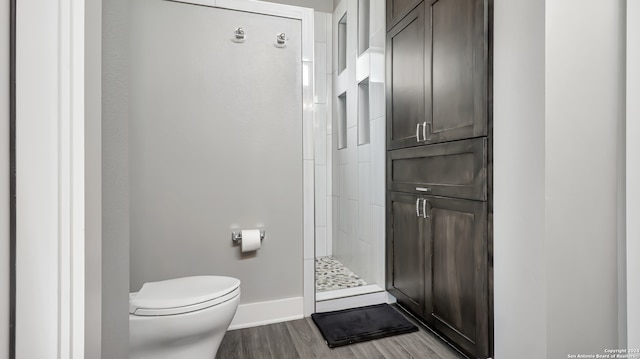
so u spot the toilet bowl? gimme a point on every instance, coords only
(181, 318)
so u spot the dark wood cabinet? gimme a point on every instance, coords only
(406, 78)
(459, 67)
(397, 9)
(458, 301)
(439, 163)
(407, 256)
(437, 73)
(437, 265)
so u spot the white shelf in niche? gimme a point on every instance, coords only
(341, 82)
(363, 112)
(363, 66)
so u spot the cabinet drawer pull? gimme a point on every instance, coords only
(424, 131)
(417, 207)
(418, 132)
(423, 189)
(424, 209)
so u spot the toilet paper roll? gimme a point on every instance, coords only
(250, 240)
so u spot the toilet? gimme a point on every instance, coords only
(181, 318)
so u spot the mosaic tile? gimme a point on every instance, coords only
(333, 275)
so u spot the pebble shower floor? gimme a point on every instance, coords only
(333, 275)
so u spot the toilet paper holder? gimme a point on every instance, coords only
(236, 237)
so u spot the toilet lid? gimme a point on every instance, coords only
(168, 296)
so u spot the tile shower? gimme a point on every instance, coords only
(349, 141)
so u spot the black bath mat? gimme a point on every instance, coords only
(356, 325)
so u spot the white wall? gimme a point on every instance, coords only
(49, 174)
(558, 84)
(633, 175)
(4, 180)
(93, 178)
(115, 179)
(520, 285)
(211, 152)
(37, 82)
(317, 5)
(584, 82)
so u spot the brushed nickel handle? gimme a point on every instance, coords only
(424, 209)
(424, 131)
(418, 132)
(418, 207)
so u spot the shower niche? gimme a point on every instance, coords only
(349, 264)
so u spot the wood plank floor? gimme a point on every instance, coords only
(302, 339)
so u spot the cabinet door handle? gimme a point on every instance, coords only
(424, 209)
(418, 207)
(418, 132)
(424, 131)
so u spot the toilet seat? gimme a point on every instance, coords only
(182, 295)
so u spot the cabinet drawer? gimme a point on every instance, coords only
(453, 169)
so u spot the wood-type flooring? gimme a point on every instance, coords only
(302, 339)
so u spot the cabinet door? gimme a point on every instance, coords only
(457, 302)
(406, 251)
(460, 71)
(397, 9)
(406, 78)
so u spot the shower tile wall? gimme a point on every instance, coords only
(378, 139)
(357, 173)
(322, 132)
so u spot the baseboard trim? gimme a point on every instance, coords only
(269, 312)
